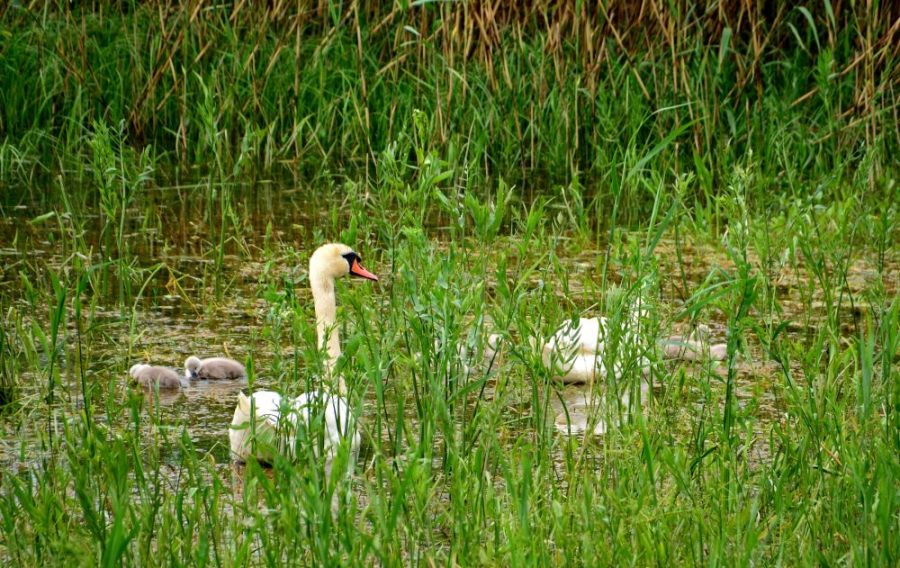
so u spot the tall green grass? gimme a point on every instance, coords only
(505, 90)
(791, 460)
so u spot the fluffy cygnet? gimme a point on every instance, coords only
(213, 368)
(694, 347)
(149, 376)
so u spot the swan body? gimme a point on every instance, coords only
(150, 376)
(266, 406)
(213, 368)
(576, 352)
(577, 349)
(273, 413)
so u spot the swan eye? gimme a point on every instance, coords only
(350, 257)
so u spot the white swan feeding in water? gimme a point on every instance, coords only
(578, 349)
(578, 352)
(280, 422)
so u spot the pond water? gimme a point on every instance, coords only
(180, 312)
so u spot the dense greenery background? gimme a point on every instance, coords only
(556, 88)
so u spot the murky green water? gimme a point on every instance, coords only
(181, 312)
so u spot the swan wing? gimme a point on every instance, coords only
(584, 337)
(265, 406)
(590, 334)
(582, 369)
(338, 419)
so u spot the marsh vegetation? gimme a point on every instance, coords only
(166, 170)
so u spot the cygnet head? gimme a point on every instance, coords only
(702, 333)
(191, 366)
(336, 260)
(135, 369)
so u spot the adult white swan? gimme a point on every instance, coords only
(579, 352)
(578, 348)
(291, 416)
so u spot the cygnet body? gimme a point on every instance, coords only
(213, 368)
(695, 347)
(150, 376)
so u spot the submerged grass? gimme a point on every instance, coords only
(730, 167)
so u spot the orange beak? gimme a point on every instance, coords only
(356, 269)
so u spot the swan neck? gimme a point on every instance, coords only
(326, 307)
(326, 325)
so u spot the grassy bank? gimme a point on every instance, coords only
(786, 453)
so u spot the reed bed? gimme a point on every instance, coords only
(556, 88)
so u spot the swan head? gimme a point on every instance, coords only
(191, 366)
(336, 260)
